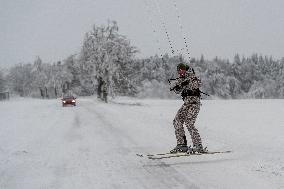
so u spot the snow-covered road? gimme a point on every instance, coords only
(94, 145)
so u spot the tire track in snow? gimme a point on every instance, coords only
(73, 134)
(120, 136)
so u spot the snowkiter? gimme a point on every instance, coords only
(187, 85)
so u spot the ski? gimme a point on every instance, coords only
(161, 154)
(185, 154)
(150, 155)
(190, 150)
(180, 154)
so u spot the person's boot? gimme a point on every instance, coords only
(179, 148)
(199, 149)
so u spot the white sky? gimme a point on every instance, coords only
(54, 29)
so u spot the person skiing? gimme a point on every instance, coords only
(187, 85)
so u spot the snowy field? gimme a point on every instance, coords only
(94, 145)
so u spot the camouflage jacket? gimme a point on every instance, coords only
(188, 86)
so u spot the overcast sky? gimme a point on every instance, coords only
(54, 29)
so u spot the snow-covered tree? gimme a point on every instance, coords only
(20, 79)
(108, 55)
(39, 76)
(234, 87)
(2, 82)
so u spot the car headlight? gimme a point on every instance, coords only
(73, 100)
(64, 101)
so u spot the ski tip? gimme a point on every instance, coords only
(218, 152)
(139, 155)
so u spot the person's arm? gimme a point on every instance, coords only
(180, 84)
(195, 82)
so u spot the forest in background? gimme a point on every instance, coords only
(109, 56)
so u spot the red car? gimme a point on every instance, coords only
(68, 100)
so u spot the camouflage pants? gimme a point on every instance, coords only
(187, 115)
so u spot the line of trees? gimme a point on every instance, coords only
(256, 76)
(108, 56)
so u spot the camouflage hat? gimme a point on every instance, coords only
(182, 66)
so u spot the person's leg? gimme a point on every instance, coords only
(178, 125)
(192, 113)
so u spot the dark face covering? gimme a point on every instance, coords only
(181, 72)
